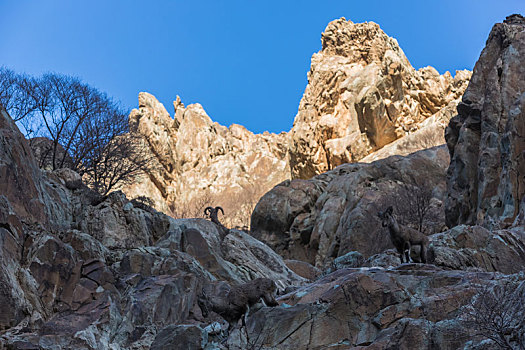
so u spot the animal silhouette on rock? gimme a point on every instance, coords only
(403, 237)
(213, 213)
(232, 303)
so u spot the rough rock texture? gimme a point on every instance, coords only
(430, 134)
(330, 220)
(83, 271)
(474, 247)
(411, 307)
(21, 179)
(487, 138)
(363, 94)
(79, 270)
(198, 159)
(334, 213)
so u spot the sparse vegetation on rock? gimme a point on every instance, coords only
(82, 270)
(73, 125)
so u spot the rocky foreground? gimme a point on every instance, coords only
(83, 271)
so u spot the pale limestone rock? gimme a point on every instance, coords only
(363, 94)
(199, 159)
(363, 98)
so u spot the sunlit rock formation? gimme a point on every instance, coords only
(363, 98)
(363, 94)
(200, 162)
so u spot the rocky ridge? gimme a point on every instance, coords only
(363, 97)
(363, 94)
(89, 272)
(199, 162)
(85, 271)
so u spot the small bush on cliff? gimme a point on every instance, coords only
(414, 204)
(85, 129)
(412, 201)
(497, 312)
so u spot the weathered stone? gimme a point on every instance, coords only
(162, 300)
(474, 247)
(199, 160)
(363, 94)
(255, 259)
(323, 218)
(85, 271)
(20, 178)
(173, 337)
(486, 138)
(303, 269)
(372, 309)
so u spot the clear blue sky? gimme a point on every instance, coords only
(245, 61)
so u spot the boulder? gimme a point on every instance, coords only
(474, 247)
(334, 213)
(303, 269)
(174, 337)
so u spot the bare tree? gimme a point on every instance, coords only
(413, 205)
(497, 312)
(13, 95)
(88, 131)
(240, 205)
(114, 163)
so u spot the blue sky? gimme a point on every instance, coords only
(244, 61)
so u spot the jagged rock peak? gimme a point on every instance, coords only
(361, 42)
(363, 94)
(196, 159)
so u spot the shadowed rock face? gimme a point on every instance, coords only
(486, 139)
(89, 272)
(323, 218)
(373, 309)
(231, 303)
(20, 179)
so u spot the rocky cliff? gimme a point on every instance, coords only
(335, 213)
(88, 272)
(84, 271)
(199, 162)
(79, 270)
(363, 97)
(486, 139)
(363, 94)
(320, 219)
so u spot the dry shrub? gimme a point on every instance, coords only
(497, 312)
(193, 209)
(238, 207)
